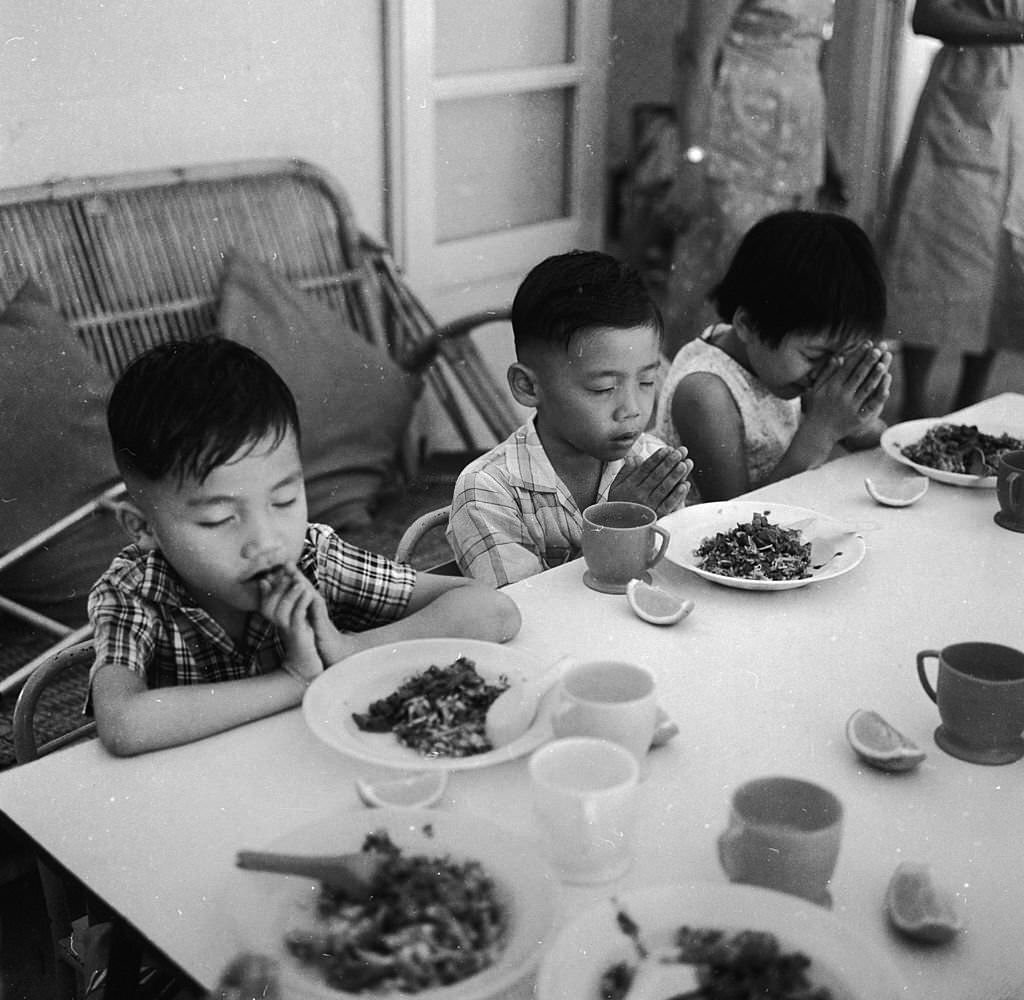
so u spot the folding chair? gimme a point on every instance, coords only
(414, 536)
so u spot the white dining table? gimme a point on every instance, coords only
(759, 683)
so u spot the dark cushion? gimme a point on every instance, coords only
(55, 457)
(354, 402)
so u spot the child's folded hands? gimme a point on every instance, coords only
(660, 481)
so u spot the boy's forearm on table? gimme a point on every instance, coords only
(166, 717)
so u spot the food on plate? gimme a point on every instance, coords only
(438, 713)
(757, 550)
(961, 448)
(430, 922)
(881, 745)
(918, 908)
(655, 605)
(730, 966)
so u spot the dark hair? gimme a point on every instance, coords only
(804, 271)
(186, 407)
(578, 290)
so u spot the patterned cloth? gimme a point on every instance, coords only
(512, 516)
(954, 245)
(766, 146)
(769, 422)
(144, 619)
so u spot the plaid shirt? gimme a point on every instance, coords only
(511, 514)
(144, 619)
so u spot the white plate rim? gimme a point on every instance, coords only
(570, 971)
(894, 437)
(726, 514)
(365, 676)
(257, 905)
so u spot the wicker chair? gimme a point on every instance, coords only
(412, 538)
(68, 665)
(134, 260)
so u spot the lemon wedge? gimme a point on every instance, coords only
(414, 791)
(897, 492)
(655, 605)
(881, 745)
(918, 908)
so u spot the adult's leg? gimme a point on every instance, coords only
(917, 366)
(974, 372)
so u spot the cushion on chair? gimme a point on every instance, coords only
(55, 457)
(354, 402)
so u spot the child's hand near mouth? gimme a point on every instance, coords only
(292, 603)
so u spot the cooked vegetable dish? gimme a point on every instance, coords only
(757, 550)
(429, 922)
(961, 448)
(438, 713)
(749, 965)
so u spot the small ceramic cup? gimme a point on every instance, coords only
(1010, 490)
(609, 700)
(979, 691)
(783, 834)
(584, 798)
(621, 541)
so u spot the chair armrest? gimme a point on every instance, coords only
(422, 355)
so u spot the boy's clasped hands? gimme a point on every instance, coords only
(660, 481)
(290, 602)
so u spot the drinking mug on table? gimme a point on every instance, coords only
(621, 541)
(979, 690)
(584, 797)
(1010, 490)
(610, 700)
(783, 834)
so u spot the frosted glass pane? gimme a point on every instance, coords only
(502, 162)
(481, 35)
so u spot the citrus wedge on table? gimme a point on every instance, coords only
(413, 791)
(881, 745)
(918, 908)
(655, 605)
(900, 492)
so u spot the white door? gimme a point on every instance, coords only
(496, 139)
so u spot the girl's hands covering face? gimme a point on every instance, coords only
(851, 389)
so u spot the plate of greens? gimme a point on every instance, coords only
(460, 908)
(750, 545)
(419, 705)
(951, 451)
(751, 942)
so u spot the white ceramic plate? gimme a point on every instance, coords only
(375, 673)
(260, 907)
(704, 520)
(894, 438)
(585, 949)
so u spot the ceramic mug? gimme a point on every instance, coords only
(783, 834)
(610, 700)
(584, 797)
(979, 690)
(621, 541)
(1010, 490)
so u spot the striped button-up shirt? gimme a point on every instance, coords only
(511, 514)
(144, 618)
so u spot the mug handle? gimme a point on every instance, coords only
(728, 856)
(1013, 482)
(662, 546)
(921, 673)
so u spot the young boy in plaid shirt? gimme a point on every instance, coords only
(588, 350)
(228, 603)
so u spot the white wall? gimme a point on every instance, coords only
(104, 86)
